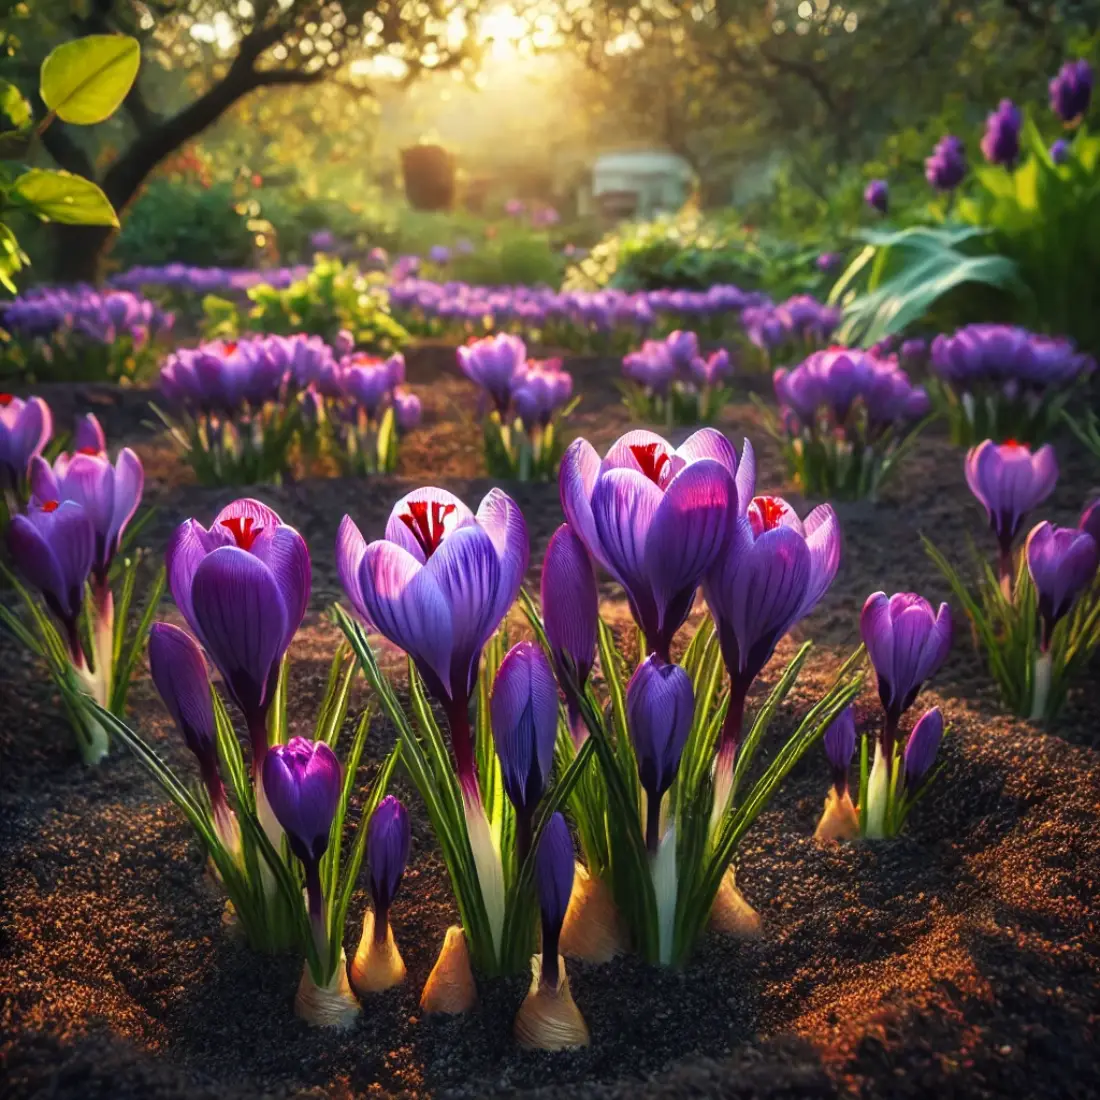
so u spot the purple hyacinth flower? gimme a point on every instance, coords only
(1010, 481)
(776, 571)
(25, 428)
(53, 546)
(656, 518)
(524, 715)
(1071, 90)
(388, 837)
(554, 869)
(907, 643)
(88, 437)
(1001, 141)
(438, 585)
(945, 169)
(660, 707)
(1090, 520)
(496, 364)
(840, 747)
(109, 494)
(1062, 562)
(1059, 151)
(407, 411)
(877, 195)
(302, 782)
(921, 748)
(243, 586)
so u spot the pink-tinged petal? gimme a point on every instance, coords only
(468, 573)
(90, 481)
(709, 443)
(822, 530)
(88, 435)
(1045, 469)
(44, 485)
(877, 631)
(350, 548)
(31, 431)
(622, 455)
(285, 553)
(247, 508)
(690, 528)
(129, 483)
(745, 479)
(580, 466)
(403, 601)
(242, 622)
(445, 513)
(186, 550)
(500, 518)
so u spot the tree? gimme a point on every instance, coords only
(229, 50)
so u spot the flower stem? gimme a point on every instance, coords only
(1040, 690)
(652, 822)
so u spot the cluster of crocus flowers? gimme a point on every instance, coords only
(523, 404)
(798, 325)
(907, 642)
(672, 381)
(67, 541)
(1000, 381)
(846, 417)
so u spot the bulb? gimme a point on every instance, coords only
(450, 986)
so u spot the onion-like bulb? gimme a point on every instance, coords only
(592, 930)
(549, 1018)
(840, 820)
(731, 913)
(450, 986)
(331, 1005)
(376, 966)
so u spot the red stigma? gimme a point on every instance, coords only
(88, 451)
(766, 513)
(51, 506)
(230, 348)
(652, 461)
(1014, 444)
(244, 530)
(425, 520)
(6, 399)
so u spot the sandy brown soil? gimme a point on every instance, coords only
(960, 959)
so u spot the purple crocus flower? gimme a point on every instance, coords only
(1090, 520)
(439, 254)
(829, 262)
(1071, 90)
(877, 195)
(388, 837)
(921, 748)
(765, 328)
(25, 428)
(366, 381)
(907, 642)
(179, 673)
(660, 707)
(656, 518)
(840, 747)
(53, 546)
(302, 782)
(496, 364)
(407, 411)
(524, 715)
(946, 167)
(88, 436)
(438, 585)
(554, 870)
(1059, 151)
(775, 572)
(651, 366)
(344, 344)
(1062, 562)
(711, 371)
(243, 586)
(541, 391)
(1010, 481)
(683, 349)
(1001, 141)
(109, 494)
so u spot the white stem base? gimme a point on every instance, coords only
(663, 869)
(490, 872)
(331, 1005)
(878, 796)
(1040, 690)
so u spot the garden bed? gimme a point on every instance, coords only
(961, 958)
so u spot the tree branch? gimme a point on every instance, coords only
(271, 78)
(59, 143)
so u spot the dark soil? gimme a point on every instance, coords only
(961, 959)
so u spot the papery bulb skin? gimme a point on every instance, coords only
(592, 931)
(549, 1018)
(732, 914)
(840, 819)
(450, 988)
(330, 1006)
(377, 966)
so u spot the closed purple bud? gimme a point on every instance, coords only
(1059, 151)
(1090, 520)
(907, 642)
(921, 748)
(88, 438)
(840, 746)
(179, 673)
(524, 713)
(407, 411)
(302, 782)
(1001, 141)
(1010, 481)
(660, 706)
(1062, 562)
(1071, 90)
(25, 428)
(570, 603)
(683, 347)
(388, 837)
(554, 862)
(946, 167)
(877, 195)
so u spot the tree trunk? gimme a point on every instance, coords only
(79, 252)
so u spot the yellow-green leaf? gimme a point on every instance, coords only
(85, 80)
(62, 197)
(14, 105)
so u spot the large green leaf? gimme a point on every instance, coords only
(85, 80)
(63, 197)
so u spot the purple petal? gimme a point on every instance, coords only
(580, 465)
(452, 514)
(286, 555)
(43, 482)
(709, 443)
(129, 483)
(350, 548)
(186, 551)
(822, 531)
(179, 673)
(570, 600)
(877, 631)
(503, 522)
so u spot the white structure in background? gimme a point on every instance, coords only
(661, 181)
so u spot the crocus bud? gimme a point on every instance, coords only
(1062, 562)
(840, 747)
(683, 347)
(946, 167)
(921, 748)
(1059, 151)
(1090, 520)
(1071, 90)
(524, 714)
(88, 437)
(407, 411)
(1001, 141)
(877, 195)
(25, 428)
(660, 706)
